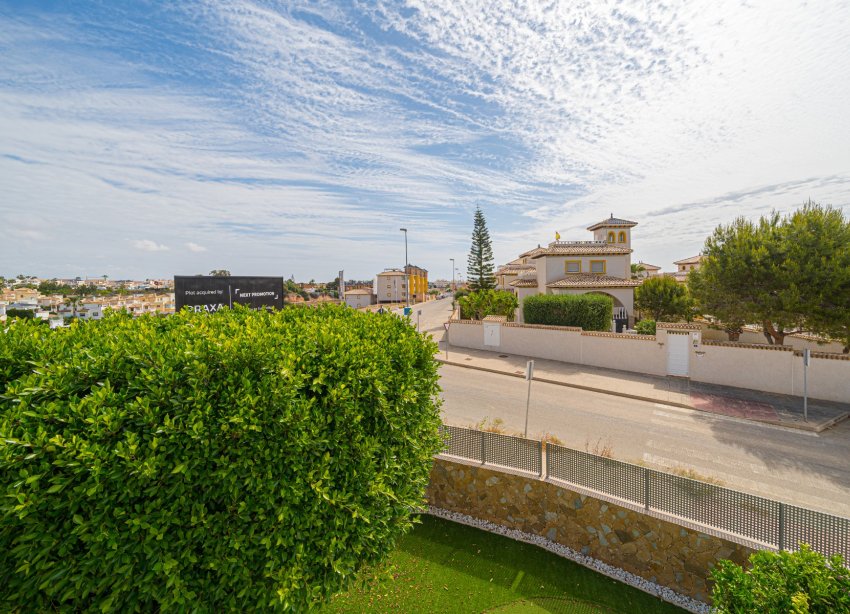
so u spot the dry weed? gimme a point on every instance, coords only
(494, 425)
(551, 438)
(599, 448)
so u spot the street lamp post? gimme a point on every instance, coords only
(406, 273)
(453, 273)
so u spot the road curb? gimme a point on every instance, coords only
(811, 428)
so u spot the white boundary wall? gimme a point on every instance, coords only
(777, 369)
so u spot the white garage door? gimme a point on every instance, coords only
(677, 354)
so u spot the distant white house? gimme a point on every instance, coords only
(644, 270)
(685, 266)
(359, 298)
(91, 311)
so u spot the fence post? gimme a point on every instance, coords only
(646, 489)
(541, 450)
(781, 526)
(483, 447)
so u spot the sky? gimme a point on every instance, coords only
(150, 139)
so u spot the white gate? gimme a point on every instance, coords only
(492, 334)
(677, 354)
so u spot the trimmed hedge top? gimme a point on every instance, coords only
(244, 460)
(589, 311)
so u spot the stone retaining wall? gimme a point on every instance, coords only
(657, 550)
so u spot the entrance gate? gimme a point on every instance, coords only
(677, 353)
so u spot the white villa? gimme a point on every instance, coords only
(602, 265)
(685, 266)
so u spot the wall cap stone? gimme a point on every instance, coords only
(749, 346)
(571, 329)
(825, 355)
(678, 326)
(625, 336)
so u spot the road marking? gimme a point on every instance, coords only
(667, 414)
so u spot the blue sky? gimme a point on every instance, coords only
(146, 139)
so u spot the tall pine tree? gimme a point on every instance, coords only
(479, 269)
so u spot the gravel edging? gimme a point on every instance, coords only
(615, 573)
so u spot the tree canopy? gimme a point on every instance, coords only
(480, 262)
(663, 298)
(790, 274)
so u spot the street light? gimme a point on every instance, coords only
(453, 273)
(406, 274)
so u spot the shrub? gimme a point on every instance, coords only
(589, 311)
(239, 461)
(24, 314)
(662, 297)
(803, 581)
(478, 305)
(645, 327)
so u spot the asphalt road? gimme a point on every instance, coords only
(808, 469)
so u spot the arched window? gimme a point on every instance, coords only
(610, 237)
(622, 237)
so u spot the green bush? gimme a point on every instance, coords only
(589, 311)
(23, 314)
(645, 327)
(800, 582)
(236, 462)
(478, 305)
(663, 298)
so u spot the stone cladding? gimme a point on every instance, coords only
(657, 550)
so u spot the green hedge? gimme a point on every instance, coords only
(482, 303)
(645, 327)
(240, 461)
(589, 311)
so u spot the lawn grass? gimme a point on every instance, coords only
(443, 566)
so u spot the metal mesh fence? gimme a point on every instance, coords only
(514, 452)
(465, 443)
(596, 472)
(770, 522)
(736, 512)
(824, 533)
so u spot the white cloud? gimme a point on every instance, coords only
(147, 245)
(324, 135)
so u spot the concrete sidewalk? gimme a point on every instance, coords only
(781, 410)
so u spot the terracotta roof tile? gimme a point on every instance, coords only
(524, 282)
(515, 269)
(613, 221)
(582, 248)
(532, 252)
(589, 280)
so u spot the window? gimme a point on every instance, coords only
(597, 266)
(622, 237)
(610, 237)
(572, 266)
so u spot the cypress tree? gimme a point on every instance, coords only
(479, 270)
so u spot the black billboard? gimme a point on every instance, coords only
(209, 294)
